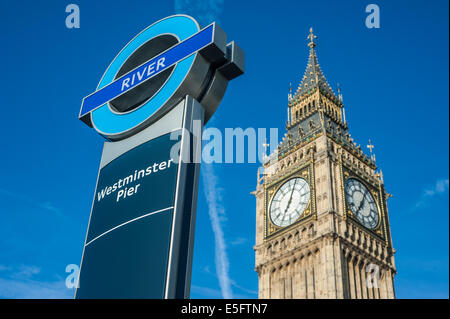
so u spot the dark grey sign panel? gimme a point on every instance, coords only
(127, 246)
(140, 235)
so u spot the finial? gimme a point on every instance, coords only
(290, 92)
(265, 145)
(339, 93)
(371, 147)
(311, 38)
(259, 178)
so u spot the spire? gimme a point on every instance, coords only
(313, 77)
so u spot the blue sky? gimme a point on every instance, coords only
(395, 85)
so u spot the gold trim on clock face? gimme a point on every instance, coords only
(289, 202)
(361, 203)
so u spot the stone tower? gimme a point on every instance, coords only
(322, 225)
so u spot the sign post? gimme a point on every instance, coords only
(151, 105)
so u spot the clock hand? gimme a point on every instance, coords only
(290, 198)
(366, 196)
(360, 205)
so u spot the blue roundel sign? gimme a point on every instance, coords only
(170, 59)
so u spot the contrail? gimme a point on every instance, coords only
(207, 11)
(25, 199)
(216, 212)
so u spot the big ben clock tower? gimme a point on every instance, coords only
(322, 225)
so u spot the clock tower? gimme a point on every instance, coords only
(322, 224)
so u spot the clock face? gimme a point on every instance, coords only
(361, 203)
(289, 202)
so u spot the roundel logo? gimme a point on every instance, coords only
(170, 59)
